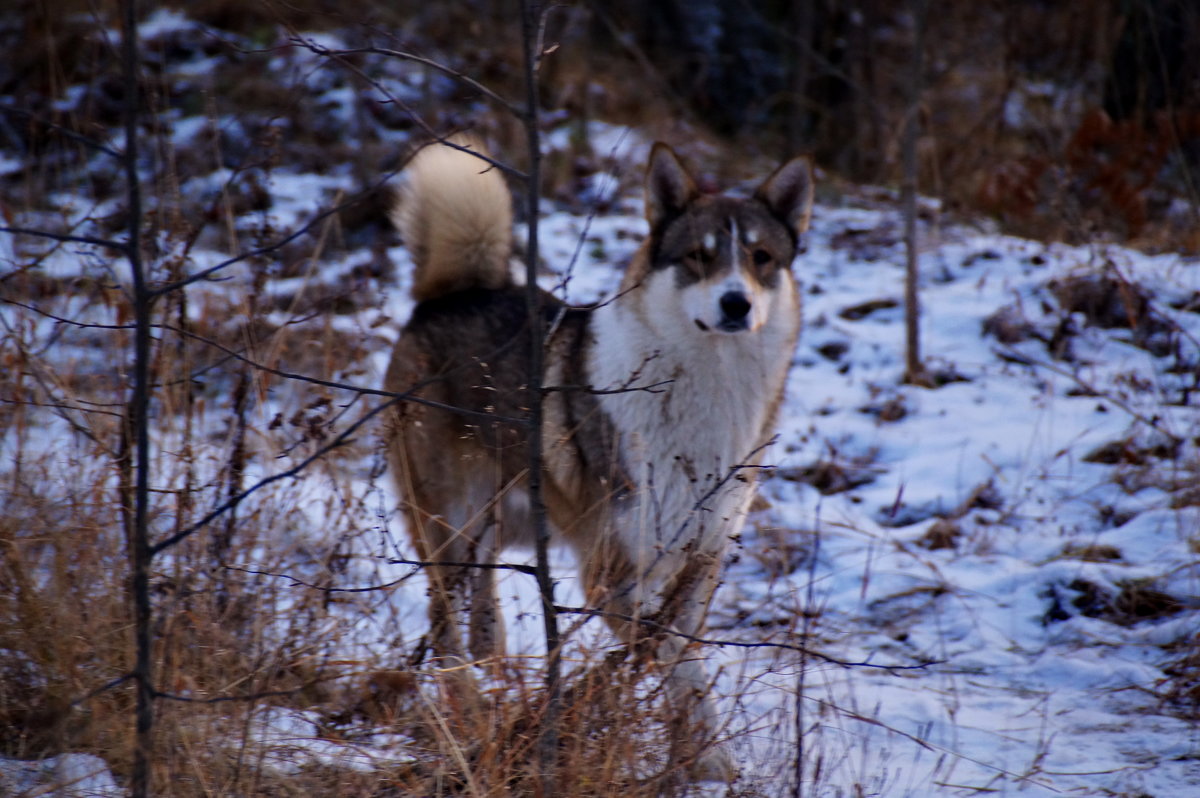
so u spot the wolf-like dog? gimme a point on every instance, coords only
(657, 407)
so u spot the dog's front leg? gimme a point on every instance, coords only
(694, 718)
(695, 721)
(677, 622)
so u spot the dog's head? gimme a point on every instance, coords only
(727, 258)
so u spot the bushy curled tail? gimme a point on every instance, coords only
(455, 214)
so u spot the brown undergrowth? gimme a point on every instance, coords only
(255, 615)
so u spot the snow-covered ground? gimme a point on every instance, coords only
(994, 578)
(982, 538)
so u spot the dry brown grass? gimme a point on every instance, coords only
(230, 625)
(252, 630)
(269, 685)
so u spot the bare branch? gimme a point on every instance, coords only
(528, 570)
(433, 135)
(205, 274)
(104, 688)
(532, 19)
(63, 406)
(1014, 356)
(225, 699)
(43, 380)
(135, 455)
(654, 387)
(648, 622)
(341, 440)
(408, 396)
(581, 239)
(87, 141)
(520, 568)
(405, 56)
(665, 629)
(120, 246)
(626, 387)
(83, 325)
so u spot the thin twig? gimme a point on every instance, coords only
(520, 568)
(1027, 360)
(341, 440)
(433, 135)
(667, 629)
(591, 612)
(405, 56)
(225, 699)
(654, 387)
(205, 274)
(120, 246)
(104, 688)
(65, 131)
(408, 396)
(929, 746)
(63, 406)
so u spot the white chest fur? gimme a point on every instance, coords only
(691, 445)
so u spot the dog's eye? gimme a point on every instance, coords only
(761, 257)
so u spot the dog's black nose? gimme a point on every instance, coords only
(735, 306)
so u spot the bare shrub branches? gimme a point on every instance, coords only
(189, 602)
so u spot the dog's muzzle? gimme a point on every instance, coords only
(735, 312)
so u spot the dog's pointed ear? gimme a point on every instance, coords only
(789, 193)
(669, 187)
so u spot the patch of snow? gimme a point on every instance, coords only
(164, 21)
(63, 776)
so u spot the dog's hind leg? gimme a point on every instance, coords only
(485, 631)
(440, 520)
(465, 544)
(456, 541)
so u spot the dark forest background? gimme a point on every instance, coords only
(1064, 119)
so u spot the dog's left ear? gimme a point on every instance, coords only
(789, 193)
(669, 187)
